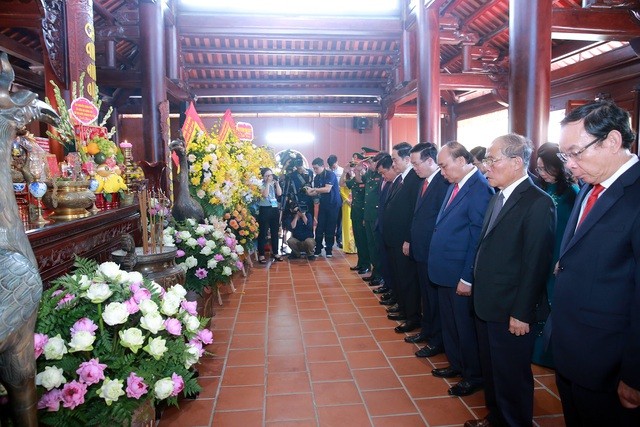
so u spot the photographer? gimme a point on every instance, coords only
(326, 189)
(301, 239)
(268, 215)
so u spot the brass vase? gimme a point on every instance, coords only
(68, 199)
(160, 267)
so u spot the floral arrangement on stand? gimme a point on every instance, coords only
(207, 252)
(109, 342)
(243, 225)
(225, 174)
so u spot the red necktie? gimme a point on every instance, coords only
(425, 184)
(593, 197)
(453, 194)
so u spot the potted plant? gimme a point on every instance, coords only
(108, 342)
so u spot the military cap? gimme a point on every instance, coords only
(358, 156)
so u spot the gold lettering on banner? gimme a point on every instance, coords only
(88, 29)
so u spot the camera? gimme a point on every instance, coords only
(298, 207)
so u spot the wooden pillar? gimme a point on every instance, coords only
(173, 53)
(530, 69)
(407, 72)
(428, 74)
(154, 92)
(68, 37)
(450, 124)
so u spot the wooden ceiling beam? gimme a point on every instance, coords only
(618, 58)
(288, 68)
(402, 95)
(590, 24)
(463, 81)
(289, 82)
(291, 92)
(213, 50)
(121, 79)
(20, 51)
(271, 108)
(289, 27)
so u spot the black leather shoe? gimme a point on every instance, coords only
(364, 270)
(478, 423)
(447, 372)
(396, 316)
(415, 338)
(355, 267)
(393, 309)
(381, 290)
(390, 301)
(464, 388)
(408, 326)
(386, 296)
(429, 351)
(377, 282)
(368, 278)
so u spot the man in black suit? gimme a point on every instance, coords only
(596, 302)
(424, 159)
(512, 266)
(396, 232)
(384, 168)
(451, 254)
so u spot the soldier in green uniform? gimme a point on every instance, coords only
(372, 180)
(357, 187)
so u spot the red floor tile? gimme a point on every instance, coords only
(339, 416)
(305, 344)
(290, 407)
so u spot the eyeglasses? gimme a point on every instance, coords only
(539, 170)
(488, 161)
(564, 157)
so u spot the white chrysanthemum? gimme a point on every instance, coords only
(191, 158)
(115, 313)
(98, 292)
(206, 251)
(211, 264)
(110, 270)
(51, 377)
(226, 271)
(55, 348)
(191, 262)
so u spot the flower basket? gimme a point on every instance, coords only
(207, 252)
(111, 345)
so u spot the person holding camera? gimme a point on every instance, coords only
(268, 217)
(301, 239)
(325, 187)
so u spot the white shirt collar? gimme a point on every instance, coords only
(509, 189)
(466, 177)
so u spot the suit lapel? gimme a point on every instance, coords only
(508, 205)
(446, 206)
(601, 207)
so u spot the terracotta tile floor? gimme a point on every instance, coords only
(307, 344)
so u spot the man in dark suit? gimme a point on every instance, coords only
(512, 266)
(451, 255)
(424, 159)
(596, 303)
(384, 168)
(396, 232)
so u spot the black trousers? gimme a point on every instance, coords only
(405, 279)
(593, 408)
(268, 221)
(506, 368)
(431, 322)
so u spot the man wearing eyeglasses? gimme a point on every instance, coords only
(596, 303)
(511, 269)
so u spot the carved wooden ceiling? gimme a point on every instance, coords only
(298, 64)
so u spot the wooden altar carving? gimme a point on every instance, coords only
(56, 246)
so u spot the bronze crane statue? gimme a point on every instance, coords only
(20, 283)
(184, 205)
